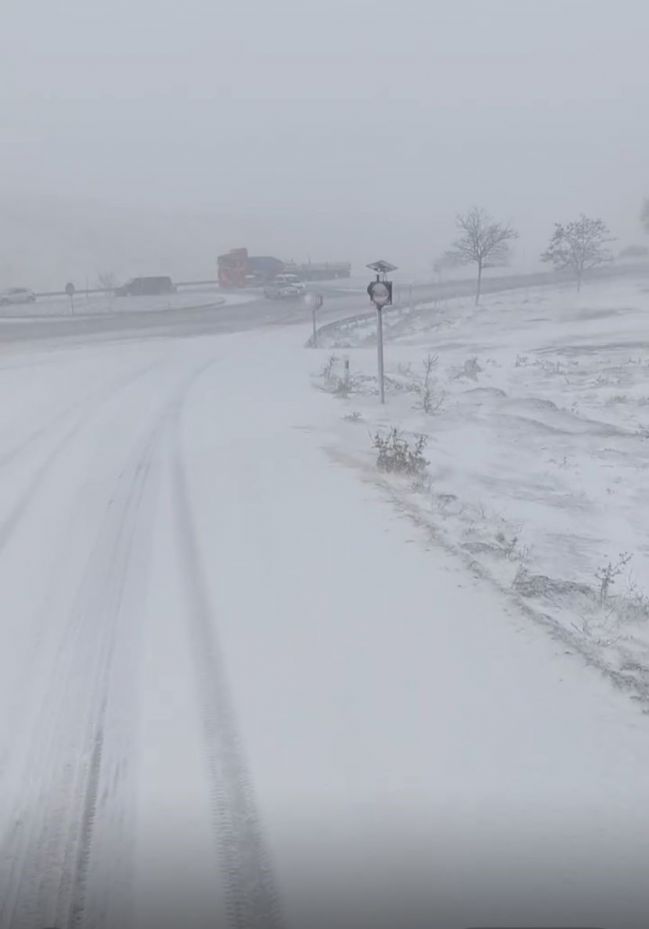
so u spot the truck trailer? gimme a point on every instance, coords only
(320, 271)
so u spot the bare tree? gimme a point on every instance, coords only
(482, 242)
(106, 280)
(579, 247)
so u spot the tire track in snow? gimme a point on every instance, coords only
(97, 396)
(29, 496)
(54, 869)
(10, 523)
(252, 901)
(49, 857)
(65, 800)
(46, 855)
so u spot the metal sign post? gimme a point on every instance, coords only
(380, 293)
(315, 301)
(379, 343)
(70, 290)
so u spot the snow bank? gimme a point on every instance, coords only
(535, 410)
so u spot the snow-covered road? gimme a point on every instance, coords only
(239, 690)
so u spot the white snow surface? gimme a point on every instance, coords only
(537, 447)
(236, 678)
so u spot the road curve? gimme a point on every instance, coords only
(198, 316)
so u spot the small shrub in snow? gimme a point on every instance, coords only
(397, 384)
(634, 606)
(607, 574)
(336, 377)
(471, 369)
(396, 455)
(430, 363)
(353, 417)
(444, 502)
(521, 580)
(542, 587)
(512, 548)
(551, 367)
(342, 387)
(431, 401)
(603, 631)
(329, 369)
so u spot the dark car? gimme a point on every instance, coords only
(146, 287)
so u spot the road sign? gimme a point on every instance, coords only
(70, 290)
(380, 293)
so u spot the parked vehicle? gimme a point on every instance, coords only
(17, 295)
(146, 287)
(284, 287)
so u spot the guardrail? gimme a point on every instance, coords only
(349, 322)
(86, 291)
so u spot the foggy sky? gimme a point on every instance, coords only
(150, 134)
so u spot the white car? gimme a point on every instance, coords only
(285, 286)
(16, 295)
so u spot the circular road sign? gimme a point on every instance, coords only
(70, 289)
(380, 294)
(315, 301)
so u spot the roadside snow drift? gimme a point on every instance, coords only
(535, 412)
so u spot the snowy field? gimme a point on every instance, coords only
(232, 672)
(535, 412)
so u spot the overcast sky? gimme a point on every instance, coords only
(138, 134)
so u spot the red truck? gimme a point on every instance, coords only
(239, 269)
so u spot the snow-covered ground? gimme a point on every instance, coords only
(536, 418)
(232, 673)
